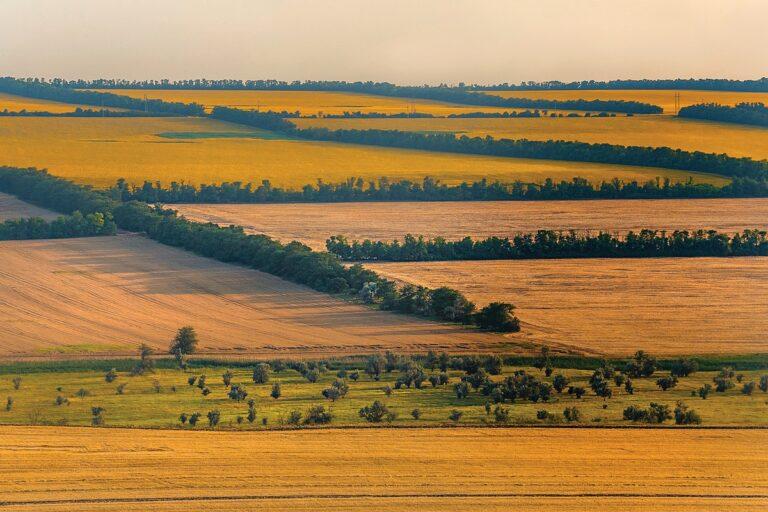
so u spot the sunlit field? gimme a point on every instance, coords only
(655, 131)
(195, 150)
(663, 98)
(14, 103)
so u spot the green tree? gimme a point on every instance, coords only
(277, 391)
(261, 373)
(374, 413)
(184, 343)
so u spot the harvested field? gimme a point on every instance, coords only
(50, 468)
(663, 98)
(687, 134)
(14, 103)
(313, 224)
(617, 306)
(92, 296)
(13, 208)
(306, 102)
(195, 150)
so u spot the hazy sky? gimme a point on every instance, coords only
(404, 41)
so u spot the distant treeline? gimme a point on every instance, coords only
(35, 88)
(700, 84)
(463, 115)
(80, 112)
(664, 157)
(293, 261)
(75, 225)
(461, 95)
(383, 189)
(743, 113)
(546, 244)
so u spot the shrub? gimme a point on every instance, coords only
(354, 375)
(294, 417)
(264, 421)
(416, 413)
(494, 365)
(658, 413)
(277, 391)
(16, 381)
(206, 391)
(146, 364)
(251, 416)
(194, 418)
(499, 317)
(543, 415)
(748, 388)
(684, 368)
(455, 415)
(239, 420)
(501, 414)
(686, 416)
(635, 413)
(191, 380)
(337, 390)
(156, 386)
(213, 418)
(237, 392)
(374, 413)
(312, 375)
(111, 375)
(444, 379)
(387, 390)
(629, 387)
(9, 403)
(97, 416)
(317, 415)
(643, 365)
(375, 365)
(763, 383)
(226, 377)
(666, 383)
(183, 418)
(572, 414)
(722, 384)
(261, 373)
(704, 391)
(434, 380)
(201, 382)
(341, 374)
(619, 379)
(559, 382)
(579, 391)
(82, 393)
(461, 389)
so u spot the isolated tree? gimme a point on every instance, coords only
(416, 413)
(658, 413)
(499, 317)
(619, 379)
(183, 418)
(748, 388)
(145, 364)
(111, 375)
(227, 378)
(237, 392)
(317, 415)
(704, 391)
(629, 387)
(375, 365)
(374, 413)
(276, 391)
(184, 343)
(9, 403)
(354, 375)
(120, 389)
(16, 383)
(312, 375)
(666, 383)
(194, 418)
(97, 416)
(156, 386)
(261, 373)
(559, 382)
(191, 380)
(213, 418)
(201, 382)
(461, 389)
(572, 414)
(251, 411)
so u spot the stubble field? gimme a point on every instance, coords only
(56, 469)
(617, 306)
(13, 208)
(313, 224)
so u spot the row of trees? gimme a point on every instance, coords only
(743, 113)
(75, 225)
(664, 157)
(556, 244)
(461, 95)
(80, 112)
(293, 261)
(429, 189)
(54, 91)
(699, 84)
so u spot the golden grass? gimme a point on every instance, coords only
(106, 295)
(13, 208)
(655, 131)
(15, 103)
(51, 468)
(662, 98)
(616, 306)
(99, 151)
(307, 102)
(313, 224)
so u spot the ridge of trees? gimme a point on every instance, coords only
(573, 151)
(743, 113)
(294, 261)
(55, 91)
(383, 189)
(700, 84)
(545, 244)
(70, 226)
(460, 95)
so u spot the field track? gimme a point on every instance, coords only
(105, 295)
(13, 208)
(314, 223)
(57, 469)
(667, 306)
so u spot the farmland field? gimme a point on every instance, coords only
(654, 131)
(617, 306)
(313, 224)
(49, 468)
(15, 103)
(662, 98)
(99, 151)
(90, 296)
(306, 102)
(13, 208)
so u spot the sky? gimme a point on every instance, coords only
(401, 41)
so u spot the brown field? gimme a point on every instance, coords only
(314, 223)
(687, 134)
(13, 208)
(93, 296)
(457, 469)
(663, 98)
(306, 102)
(617, 306)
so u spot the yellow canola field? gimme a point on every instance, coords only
(307, 102)
(395, 470)
(98, 151)
(663, 97)
(655, 131)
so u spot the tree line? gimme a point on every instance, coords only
(699, 84)
(460, 95)
(55, 91)
(663, 157)
(81, 112)
(429, 189)
(743, 113)
(545, 244)
(70, 226)
(294, 261)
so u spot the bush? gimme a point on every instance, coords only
(635, 413)
(704, 391)
(619, 379)
(317, 415)
(629, 387)
(559, 382)
(312, 375)
(572, 414)
(156, 386)
(353, 376)
(146, 364)
(294, 418)
(183, 418)
(684, 368)
(455, 415)
(374, 413)
(494, 365)
(416, 413)
(499, 317)
(194, 418)
(82, 393)
(237, 392)
(722, 384)
(763, 383)
(191, 380)
(666, 383)
(9, 403)
(387, 390)
(97, 416)
(748, 388)
(461, 389)
(543, 415)
(16, 383)
(337, 390)
(658, 413)
(206, 391)
(579, 391)
(277, 391)
(643, 365)
(261, 373)
(120, 389)
(111, 375)
(213, 418)
(201, 382)
(501, 414)
(686, 416)
(226, 378)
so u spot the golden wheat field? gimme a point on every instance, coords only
(13, 208)
(654, 131)
(661, 97)
(14, 103)
(306, 102)
(99, 151)
(617, 306)
(54, 469)
(313, 224)
(106, 295)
